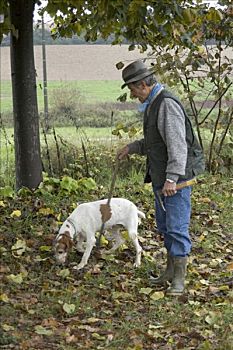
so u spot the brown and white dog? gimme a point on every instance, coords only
(86, 220)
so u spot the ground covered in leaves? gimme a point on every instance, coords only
(110, 305)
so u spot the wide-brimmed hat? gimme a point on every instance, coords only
(135, 71)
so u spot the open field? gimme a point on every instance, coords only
(76, 62)
(75, 65)
(79, 62)
(90, 92)
(91, 69)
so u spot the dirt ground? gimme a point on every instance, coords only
(76, 62)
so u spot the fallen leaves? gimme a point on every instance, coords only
(18, 279)
(15, 214)
(19, 248)
(69, 308)
(153, 296)
(42, 330)
(157, 295)
(110, 304)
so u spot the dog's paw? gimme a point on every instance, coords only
(78, 267)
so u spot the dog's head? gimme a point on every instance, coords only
(62, 246)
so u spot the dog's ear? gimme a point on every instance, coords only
(66, 240)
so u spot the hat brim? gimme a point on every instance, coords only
(137, 78)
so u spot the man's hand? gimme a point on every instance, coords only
(123, 152)
(169, 189)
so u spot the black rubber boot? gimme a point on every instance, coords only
(166, 276)
(178, 280)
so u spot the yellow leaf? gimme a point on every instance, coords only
(125, 235)
(201, 50)
(98, 336)
(7, 327)
(4, 298)
(205, 200)
(157, 296)
(2, 204)
(59, 217)
(16, 278)
(145, 290)
(136, 347)
(201, 238)
(103, 241)
(148, 187)
(16, 213)
(19, 247)
(46, 211)
(225, 287)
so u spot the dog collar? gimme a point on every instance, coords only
(73, 225)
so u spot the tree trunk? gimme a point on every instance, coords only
(26, 118)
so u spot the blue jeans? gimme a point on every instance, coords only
(173, 223)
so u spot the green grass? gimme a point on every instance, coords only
(91, 92)
(69, 139)
(69, 133)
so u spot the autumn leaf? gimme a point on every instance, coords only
(119, 65)
(46, 211)
(18, 279)
(157, 295)
(98, 336)
(19, 247)
(16, 214)
(230, 267)
(42, 330)
(146, 291)
(68, 308)
(7, 327)
(64, 273)
(45, 248)
(4, 298)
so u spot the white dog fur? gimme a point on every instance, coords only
(86, 220)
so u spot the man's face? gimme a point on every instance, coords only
(140, 91)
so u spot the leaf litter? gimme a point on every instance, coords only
(109, 304)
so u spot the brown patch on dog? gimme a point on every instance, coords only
(65, 241)
(105, 212)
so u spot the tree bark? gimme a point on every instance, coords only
(28, 163)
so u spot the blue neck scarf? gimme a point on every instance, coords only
(142, 107)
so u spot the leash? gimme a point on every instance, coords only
(105, 208)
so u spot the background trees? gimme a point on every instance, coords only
(179, 37)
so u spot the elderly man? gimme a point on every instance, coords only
(173, 155)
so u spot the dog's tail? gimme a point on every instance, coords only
(141, 215)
